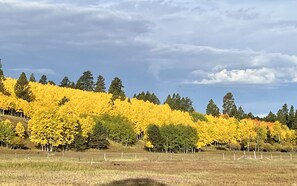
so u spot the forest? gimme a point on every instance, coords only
(83, 115)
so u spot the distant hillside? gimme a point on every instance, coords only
(58, 114)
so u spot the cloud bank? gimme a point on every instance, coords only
(193, 42)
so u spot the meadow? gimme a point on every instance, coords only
(20, 167)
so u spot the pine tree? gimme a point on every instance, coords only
(2, 78)
(86, 81)
(79, 143)
(176, 102)
(228, 104)
(270, 117)
(32, 78)
(1, 71)
(282, 114)
(50, 82)
(294, 125)
(250, 115)
(43, 80)
(98, 138)
(65, 82)
(116, 89)
(151, 97)
(22, 88)
(291, 116)
(212, 109)
(100, 84)
(240, 113)
(154, 136)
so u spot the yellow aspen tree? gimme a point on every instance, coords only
(20, 130)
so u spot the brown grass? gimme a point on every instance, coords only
(90, 168)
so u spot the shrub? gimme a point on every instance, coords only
(267, 147)
(278, 147)
(287, 148)
(17, 143)
(234, 146)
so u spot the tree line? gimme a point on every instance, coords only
(284, 115)
(86, 82)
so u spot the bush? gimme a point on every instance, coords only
(278, 147)
(267, 147)
(234, 146)
(222, 148)
(286, 148)
(17, 143)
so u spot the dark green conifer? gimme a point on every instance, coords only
(43, 80)
(86, 81)
(22, 88)
(100, 84)
(212, 109)
(116, 89)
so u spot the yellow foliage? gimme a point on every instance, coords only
(20, 130)
(54, 123)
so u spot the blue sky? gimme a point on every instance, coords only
(199, 48)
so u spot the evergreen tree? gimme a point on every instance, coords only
(1, 71)
(43, 80)
(176, 102)
(151, 97)
(282, 114)
(2, 78)
(32, 78)
(291, 116)
(79, 143)
(51, 82)
(98, 137)
(116, 89)
(86, 81)
(154, 136)
(228, 104)
(72, 85)
(65, 82)
(234, 112)
(100, 84)
(270, 117)
(212, 109)
(240, 113)
(22, 88)
(250, 115)
(294, 125)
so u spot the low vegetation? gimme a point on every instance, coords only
(90, 168)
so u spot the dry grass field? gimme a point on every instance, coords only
(95, 168)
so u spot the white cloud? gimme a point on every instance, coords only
(248, 76)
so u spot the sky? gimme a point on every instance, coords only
(201, 49)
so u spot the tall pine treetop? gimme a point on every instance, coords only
(100, 84)
(116, 89)
(86, 81)
(2, 78)
(212, 109)
(22, 88)
(43, 80)
(229, 104)
(32, 78)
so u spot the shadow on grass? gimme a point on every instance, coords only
(136, 182)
